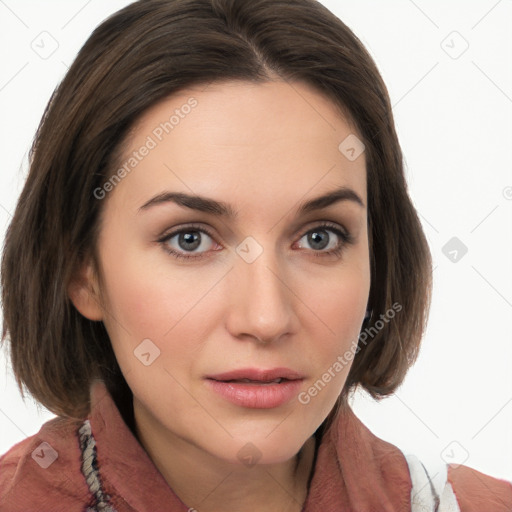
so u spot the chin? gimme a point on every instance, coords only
(261, 450)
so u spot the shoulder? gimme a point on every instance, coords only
(476, 491)
(403, 480)
(43, 472)
(456, 488)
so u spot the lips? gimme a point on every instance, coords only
(257, 388)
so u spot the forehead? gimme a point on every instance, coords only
(241, 138)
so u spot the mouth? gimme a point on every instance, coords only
(258, 375)
(256, 388)
(257, 382)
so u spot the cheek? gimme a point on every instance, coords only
(343, 315)
(147, 299)
(339, 305)
(332, 340)
(348, 308)
(339, 301)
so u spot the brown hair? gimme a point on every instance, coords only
(137, 57)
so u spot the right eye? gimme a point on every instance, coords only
(187, 242)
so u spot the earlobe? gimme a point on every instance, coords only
(83, 291)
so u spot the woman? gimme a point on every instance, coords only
(214, 247)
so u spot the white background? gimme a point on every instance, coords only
(453, 113)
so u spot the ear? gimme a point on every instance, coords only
(83, 292)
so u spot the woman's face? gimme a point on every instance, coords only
(255, 284)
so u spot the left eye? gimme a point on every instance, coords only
(321, 239)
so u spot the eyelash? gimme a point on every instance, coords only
(346, 239)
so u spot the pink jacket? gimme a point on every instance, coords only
(354, 471)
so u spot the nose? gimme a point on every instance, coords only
(261, 299)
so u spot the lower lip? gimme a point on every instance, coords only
(257, 396)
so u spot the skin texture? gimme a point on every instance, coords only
(264, 149)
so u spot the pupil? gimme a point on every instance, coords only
(189, 238)
(315, 239)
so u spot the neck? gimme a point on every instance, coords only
(205, 483)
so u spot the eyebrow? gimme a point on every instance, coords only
(222, 209)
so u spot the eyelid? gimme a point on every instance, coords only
(324, 224)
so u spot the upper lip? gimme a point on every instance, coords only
(258, 374)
